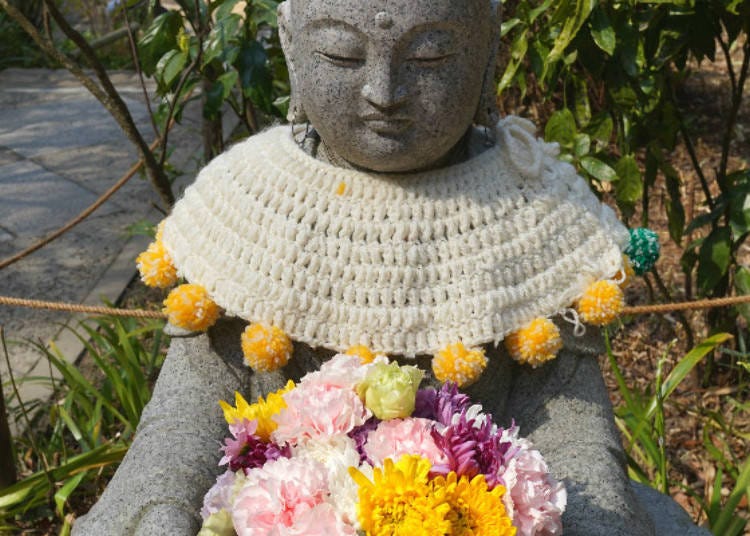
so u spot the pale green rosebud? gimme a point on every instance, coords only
(390, 391)
(218, 524)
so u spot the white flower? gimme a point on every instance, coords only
(337, 454)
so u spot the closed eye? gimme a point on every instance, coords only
(341, 61)
(431, 60)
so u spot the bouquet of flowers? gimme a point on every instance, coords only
(359, 448)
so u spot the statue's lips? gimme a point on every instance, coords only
(384, 124)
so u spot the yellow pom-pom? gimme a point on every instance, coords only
(458, 364)
(266, 348)
(601, 303)
(626, 275)
(537, 342)
(155, 266)
(364, 354)
(189, 307)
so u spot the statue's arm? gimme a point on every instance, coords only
(564, 409)
(159, 486)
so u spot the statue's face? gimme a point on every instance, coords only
(390, 85)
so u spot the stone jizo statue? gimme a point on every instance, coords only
(398, 213)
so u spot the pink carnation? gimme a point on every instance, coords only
(343, 371)
(534, 499)
(286, 497)
(395, 437)
(318, 411)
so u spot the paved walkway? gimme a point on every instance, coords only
(59, 150)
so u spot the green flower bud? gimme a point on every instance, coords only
(390, 391)
(218, 524)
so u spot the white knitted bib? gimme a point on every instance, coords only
(402, 263)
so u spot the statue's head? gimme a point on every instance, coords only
(391, 85)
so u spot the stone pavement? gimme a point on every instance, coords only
(59, 150)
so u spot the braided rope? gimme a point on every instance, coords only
(140, 313)
(686, 306)
(77, 308)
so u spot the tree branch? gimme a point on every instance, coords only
(738, 86)
(138, 71)
(116, 106)
(691, 149)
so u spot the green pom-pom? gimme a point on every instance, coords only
(643, 249)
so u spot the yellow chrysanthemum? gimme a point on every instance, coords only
(458, 364)
(474, 510)
(401, 501)
(626, 275)
(537, 342)
(189, 307)
(262, 411)
(266, 348)
(601, 303)
(365, 355)
(155, 266)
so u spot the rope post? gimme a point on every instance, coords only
(7, 460)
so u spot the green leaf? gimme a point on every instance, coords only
(220, 39)
(218, 92)
(561, 128)
(582, 145)
(582, 104)
(518, 49)
(689, 257)
(728, 522)
(170, 66)
(282, 105)
(598, 169)
(508, 25)
(600, 127)
(683, 368)
(742, 285)
(628, 49)
(534, 13)
(714, 258)
(572, 22)
(224, 9)
(264, 13)
(62, 494)
(624, 96)
(602, 31)
(629, 187)
(739, 210)
(256, 79)
(158, 38)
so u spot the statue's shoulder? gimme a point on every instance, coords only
(247, 157)
(544, 174)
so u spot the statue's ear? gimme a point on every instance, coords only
(296, 113)
(487, 114)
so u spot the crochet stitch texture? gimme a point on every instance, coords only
(402, 263)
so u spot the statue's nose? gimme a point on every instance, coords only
(382, 89)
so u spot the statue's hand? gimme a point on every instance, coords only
(173, 461)
(564, 409)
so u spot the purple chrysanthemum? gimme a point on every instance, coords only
(473, 446)
(359, 435)
(441, 405)
(247, 450)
